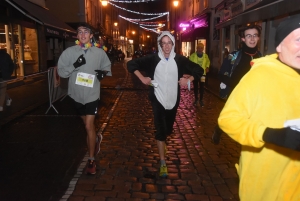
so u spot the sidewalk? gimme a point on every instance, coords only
(26, 95)
(128, 163)
(40, 153)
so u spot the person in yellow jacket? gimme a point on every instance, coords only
(263, 115)
(200, 58)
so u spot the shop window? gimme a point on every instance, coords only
(227, 38)
(26, 50)
(54, 50)
(186, 48)
(31, 56)
(6, 41)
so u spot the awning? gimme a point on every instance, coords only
(53, 25)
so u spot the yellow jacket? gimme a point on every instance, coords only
(204, 62)
(267, 96)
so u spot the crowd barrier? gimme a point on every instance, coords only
(58, 87)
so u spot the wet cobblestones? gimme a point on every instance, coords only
(128, 163)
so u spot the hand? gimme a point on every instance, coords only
(80, 61)
(284, 137)
(101, 74)
(183, 82)
(146, 80)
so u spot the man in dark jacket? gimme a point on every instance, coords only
(236, 65)
(6, 69)
(164, 73)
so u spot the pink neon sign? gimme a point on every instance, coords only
(184, 25)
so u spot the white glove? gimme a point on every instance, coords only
(222, 85)
(293, 124)
(154, 83)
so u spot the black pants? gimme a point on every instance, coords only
(163, 119)
(198, 87)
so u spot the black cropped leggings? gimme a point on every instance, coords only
(198, 87)
(163, 119)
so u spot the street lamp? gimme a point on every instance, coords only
(104, 3)
(175, 3)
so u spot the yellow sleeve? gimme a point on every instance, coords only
(240, 117)
(208, 61)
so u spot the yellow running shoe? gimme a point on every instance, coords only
(163, 172)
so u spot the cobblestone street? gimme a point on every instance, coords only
(128, 163)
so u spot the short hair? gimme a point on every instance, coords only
(200, 45)
(251, 26)
(86, 26)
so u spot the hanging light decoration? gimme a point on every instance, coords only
(141, 22)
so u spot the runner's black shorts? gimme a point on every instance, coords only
(90, 108)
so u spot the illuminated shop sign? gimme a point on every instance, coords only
(184, 25)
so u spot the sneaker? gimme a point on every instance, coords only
(1, 108)
(163, 172)
(91, 167)
(201, 103)
(98, 142)
(216, 137)
(195, 103)
(8, 102)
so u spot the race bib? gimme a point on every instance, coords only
(85, 79)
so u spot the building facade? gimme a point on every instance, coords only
(32, 35)
(193, 21)
(233, 14)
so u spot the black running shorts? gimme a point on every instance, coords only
(90, 108)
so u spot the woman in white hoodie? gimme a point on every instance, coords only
(164, 73)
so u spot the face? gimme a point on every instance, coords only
(200, 49)
(289, 49)
(251, 38)
(166, 45)
(84, 35)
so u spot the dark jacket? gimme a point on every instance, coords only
(149, 62)
(6, 65)
(228, 68)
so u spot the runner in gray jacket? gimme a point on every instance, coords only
(85, 64)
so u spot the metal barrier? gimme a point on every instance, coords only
(58, 87)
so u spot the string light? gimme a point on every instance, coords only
(140, 21)
(165, 13)
(158, 24)
(130, 19)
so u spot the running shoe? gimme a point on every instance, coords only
(163, 172)
(91, 167)
(8, 102)
(201, 103)
(216, 137)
